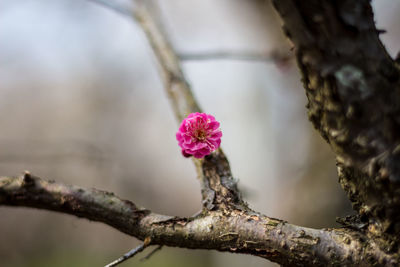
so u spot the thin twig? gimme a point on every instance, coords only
(178, 90)
(130, 254)
(235, 55)
(151, 253)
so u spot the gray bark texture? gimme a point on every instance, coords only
(353, 88)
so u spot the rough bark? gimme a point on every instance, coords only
(353, 91)
(353, 88)
(233, 230)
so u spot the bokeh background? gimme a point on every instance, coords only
(81, 102)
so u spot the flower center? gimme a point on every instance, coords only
(200, 134)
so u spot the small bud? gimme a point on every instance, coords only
(27, 179)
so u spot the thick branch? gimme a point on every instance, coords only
(353, 88)
(234, 231)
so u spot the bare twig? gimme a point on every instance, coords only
(272, 57)
(127, 256)
(181, 96)
(130, 254)
(148, 256)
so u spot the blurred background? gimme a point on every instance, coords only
(81, 102)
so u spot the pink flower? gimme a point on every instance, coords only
(199, 135)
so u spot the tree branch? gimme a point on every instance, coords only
(272, 57)
(227, 224)
(235, 231)
(219, 189)
(353, 88)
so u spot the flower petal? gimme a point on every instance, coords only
(199, 135)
